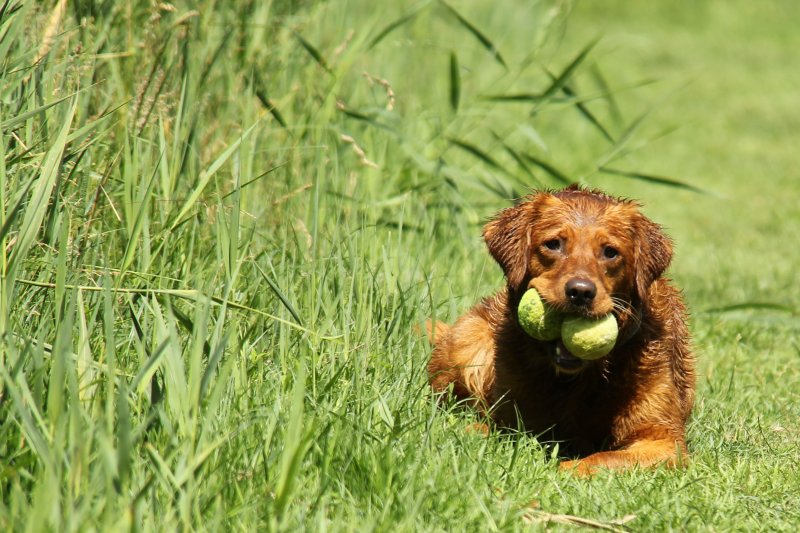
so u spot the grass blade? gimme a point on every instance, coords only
(185, 294)
(557, 84)
(30, 419)
(38, 206)
(751, 306)
(562, 79)
(583, 110)
(254, 180)
(475, 151)
(487, 44)
(211, 367)
(124, 439)
(521, 162)
(279, 293)
(12, 216)
(267, 102)
(549, 168)
(512, 98)
(622, 141)
(391, 27)
(455, 82)
(269, 105)
(11, 30)
(205, 177)
(296, 442)
(149, 367)
(10, 123)
(660, 180)
(138, 225)
(215, 57)
(357, 115)
(610, 96)
(312, 51)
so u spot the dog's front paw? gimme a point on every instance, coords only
(577, 467)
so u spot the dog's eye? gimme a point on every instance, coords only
(553, 244)
(609, 252)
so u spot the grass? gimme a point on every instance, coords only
(221, 224)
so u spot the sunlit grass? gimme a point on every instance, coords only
(221, 225)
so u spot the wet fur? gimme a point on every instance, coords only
(628, 408)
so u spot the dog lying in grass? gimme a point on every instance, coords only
(587, 254)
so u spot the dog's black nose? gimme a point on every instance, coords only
(580, 291)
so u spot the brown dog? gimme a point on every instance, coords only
(586, 253)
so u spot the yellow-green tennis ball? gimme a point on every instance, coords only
(587, 338)
(537, 318)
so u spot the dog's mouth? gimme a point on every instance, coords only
(563, 359)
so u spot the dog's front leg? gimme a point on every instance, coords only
(644, 453)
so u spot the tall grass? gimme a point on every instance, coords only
(221, 224)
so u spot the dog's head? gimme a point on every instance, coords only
(585, 252)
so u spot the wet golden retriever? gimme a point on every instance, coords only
(586, 253)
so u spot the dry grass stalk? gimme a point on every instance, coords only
(339, 50)
(50, 32)
(390, 96)
(362, 156)
(542, 517)
(291, 194)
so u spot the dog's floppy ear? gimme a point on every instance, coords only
(652, 256)
(508, 237)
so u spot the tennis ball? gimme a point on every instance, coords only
(537, 318)
(587, 338)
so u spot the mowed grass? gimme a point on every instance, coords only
(222, 222)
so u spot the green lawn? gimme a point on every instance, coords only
(222, 221)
